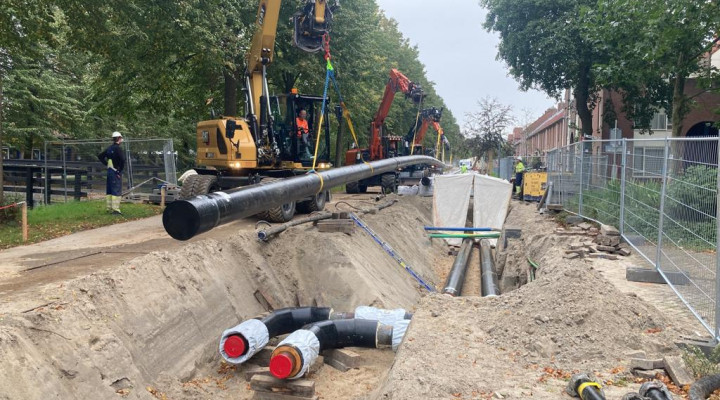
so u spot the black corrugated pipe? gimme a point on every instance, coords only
(701, 389)
(582, 386)
(456, 278)
(295, 354)
(489, 279)
(241, 342)
(184, 219)
(655, 390)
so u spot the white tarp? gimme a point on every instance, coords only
(451, 199)
(491, 201)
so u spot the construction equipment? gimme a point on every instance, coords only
(413, 144)
(383, 145)
(267, 144)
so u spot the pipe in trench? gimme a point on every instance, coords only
(703, 387)
(457, 229)
(183, 219)
(292, 358)
(489, 279)
(580, 385)
(456, 278)
(240, 343)
(655, 390)
(486, 235)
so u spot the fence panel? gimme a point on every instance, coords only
(663, 196)
(145, 160)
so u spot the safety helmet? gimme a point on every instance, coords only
(519, 158)
(116, 134)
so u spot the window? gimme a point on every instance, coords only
(659, 122)
(648, 161)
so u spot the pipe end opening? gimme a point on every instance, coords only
(235, 346)
(281, 366)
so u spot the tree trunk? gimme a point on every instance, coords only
(289, 80)
(582, 97)
(231, 79)
(2, 179)
(679, 104)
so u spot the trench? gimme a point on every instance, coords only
(150, 328)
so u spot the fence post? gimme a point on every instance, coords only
(78, 184)
(623, 162)
(29, 187)
(582, 177)
(64, 173)
(717, 248)
(48, 195)
(662, 203)
(24, 222)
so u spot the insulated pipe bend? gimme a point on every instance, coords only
(240, 343)
(183, 219)
(702, 388)
(292, 358)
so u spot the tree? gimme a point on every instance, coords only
(543, 44)
(656, 46)
(484, 128)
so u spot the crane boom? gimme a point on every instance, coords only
(397, 83)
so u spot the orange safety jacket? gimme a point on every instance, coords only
(302, 126)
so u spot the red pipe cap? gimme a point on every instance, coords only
(281, 365)
(234, 346)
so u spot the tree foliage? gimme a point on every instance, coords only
(544, 46)
(484, 128)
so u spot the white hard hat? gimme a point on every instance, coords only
(519, 158)
(116, 134)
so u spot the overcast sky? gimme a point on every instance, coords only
(460, 55)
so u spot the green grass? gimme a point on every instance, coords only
(48, 222)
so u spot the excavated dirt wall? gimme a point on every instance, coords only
(150, 328)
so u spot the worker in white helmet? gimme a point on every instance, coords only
(519, 171)
(114, 159)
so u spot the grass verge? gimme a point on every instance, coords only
(48, 222)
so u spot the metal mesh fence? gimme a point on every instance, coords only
(148, 163)
(662, 195)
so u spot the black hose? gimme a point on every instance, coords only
(347, 333)
(265, 234)
(701, 389)
(489, 279)
(456, 278)
(183, 219)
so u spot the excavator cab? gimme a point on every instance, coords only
(292, 147)
(312, 23)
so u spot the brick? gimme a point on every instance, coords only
(585, 226)
(614, 240)
(648, 275)
(649, 374)
(571, 256)
(345, 356)
(675, 366)
(609, 230)
(645, 364)
(576, 246)
(601, 255)
(607, 249)
(297, 387)
(623, 252)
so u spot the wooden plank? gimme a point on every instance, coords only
(278, 396)
(255, 370)
(345, 356)
(295, 387)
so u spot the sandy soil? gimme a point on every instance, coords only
(149, 326)
(526, 343)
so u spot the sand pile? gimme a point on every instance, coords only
(525, 342)
(151, 325)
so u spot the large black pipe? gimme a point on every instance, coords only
(184, 219)
(456, 278)
(580, 385)
(489, 279)
(701, 389)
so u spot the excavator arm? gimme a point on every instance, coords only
(397, 83)
(428, 117)
(311, 24)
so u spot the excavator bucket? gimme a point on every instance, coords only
(311, 24)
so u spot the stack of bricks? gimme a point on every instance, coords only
(584, 229)
(607, 244)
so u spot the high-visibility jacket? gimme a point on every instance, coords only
(302, 126)
(519, 167)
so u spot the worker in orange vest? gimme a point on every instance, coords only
(302, 131)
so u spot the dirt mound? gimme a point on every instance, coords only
(151, 326)
(526, 341)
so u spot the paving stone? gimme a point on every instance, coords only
(642, 363)
(607, 249)
(675, 366)
(571, 256)
(585, 226)
(609, 230)
(602, 255)
(649, 275)
(649, 374)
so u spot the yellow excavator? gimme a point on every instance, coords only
(266, 144)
